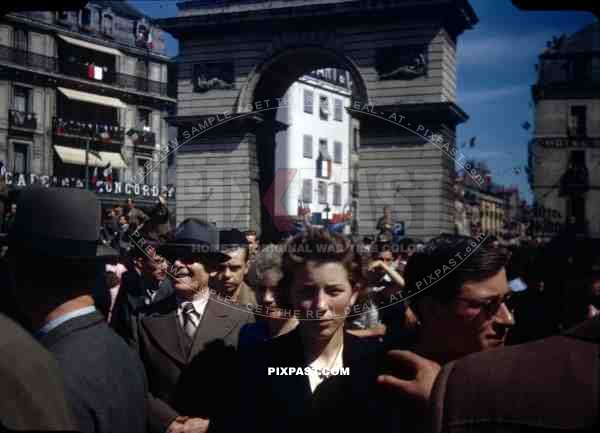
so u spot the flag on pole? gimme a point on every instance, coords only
(94, 177)
(105, 135)
(107, 173)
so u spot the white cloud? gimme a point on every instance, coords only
(486, 95)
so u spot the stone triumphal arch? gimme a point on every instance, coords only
(238, 58)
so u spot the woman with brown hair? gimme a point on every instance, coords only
(317, 376)
(271, 320)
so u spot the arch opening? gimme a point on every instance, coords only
(270, 82)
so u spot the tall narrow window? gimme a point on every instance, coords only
(142, 169)
(86, 18)
(307, 146)
(322, 192)
(21, 99)
(323, 107)
(307, 191)
(107, 25)
(21, 40)
(337, 110)
(337, 152)
(21, 158)
(144, 119)
(578, 120)
(308, 101)
(337, 194)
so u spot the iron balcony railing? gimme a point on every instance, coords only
(141, 84)
(22, 119)
(139, 137)
(53, 64)
(102, 132)
(27, 58)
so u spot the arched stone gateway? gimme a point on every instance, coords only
(238, 58)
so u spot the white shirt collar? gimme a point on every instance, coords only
(199, 302)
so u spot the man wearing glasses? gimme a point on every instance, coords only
(461, 297)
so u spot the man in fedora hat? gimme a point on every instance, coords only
(177, 329)
(54, 258)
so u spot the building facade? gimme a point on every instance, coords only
(484, 211)
(238, 56)
(83, 101)
(565, 152)
(315, 147)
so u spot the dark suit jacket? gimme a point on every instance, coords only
(131, 301)
(270, 403)
(32, 393)
(104, 379)
(545, 386)
(162, 346)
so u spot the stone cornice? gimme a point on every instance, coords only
(438, 112)
(458, 15)
(56, 30)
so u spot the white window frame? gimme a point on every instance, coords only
(322, 192)
(309, 106)
(307, 198)
(306, 151)
(324, 107)
(338, 157)
(337, 188)
(338, 108)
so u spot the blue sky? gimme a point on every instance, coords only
(495, 73)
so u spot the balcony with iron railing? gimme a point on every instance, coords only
(141, 84)
(102, 135)
(27, 58)
(89, 72)
(79, 70)
(22, 120)
(143, 141)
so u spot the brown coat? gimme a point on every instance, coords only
(543, 386)
(162, 348)
(32, 391)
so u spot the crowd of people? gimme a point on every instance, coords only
(146, 329)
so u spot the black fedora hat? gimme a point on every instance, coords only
(232, 238)
(57, 222)
(194, 238)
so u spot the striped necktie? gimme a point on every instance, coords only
(191, 318)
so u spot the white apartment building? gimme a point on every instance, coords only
(316, 145)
